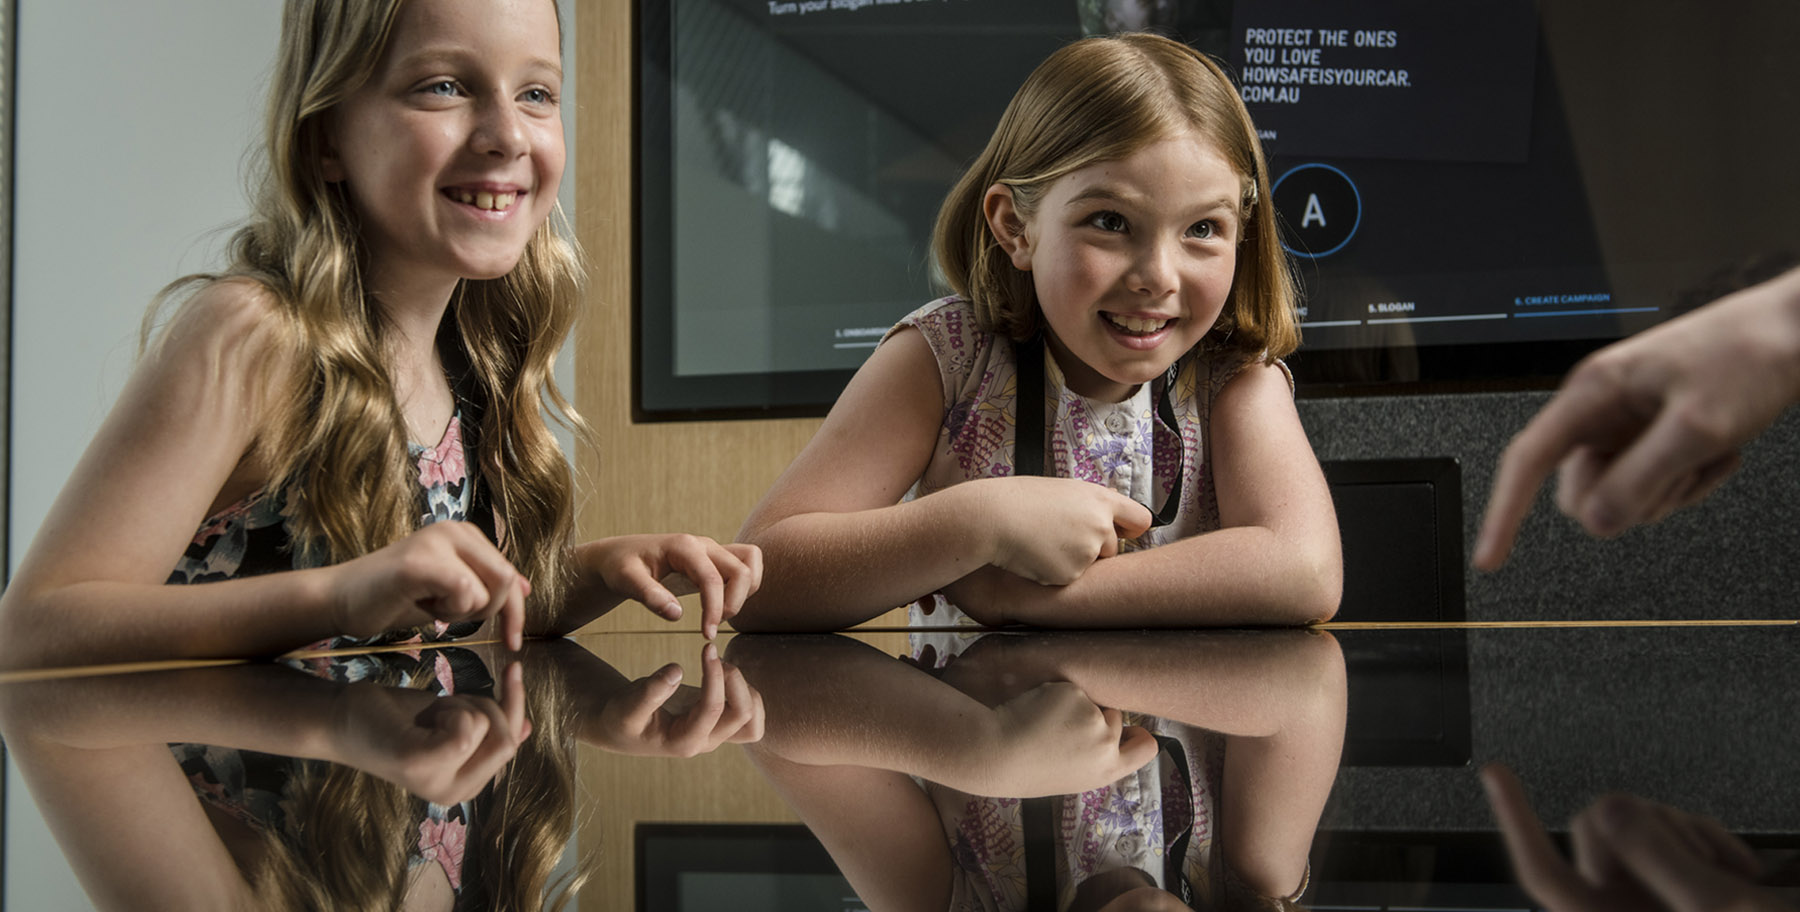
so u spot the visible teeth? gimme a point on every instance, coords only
(484, 200)
(1136, 324)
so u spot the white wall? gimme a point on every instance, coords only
(133, 121)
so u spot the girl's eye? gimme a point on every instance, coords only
(538, 96)
(1203, 230)
(444, 87)
(1107, 221)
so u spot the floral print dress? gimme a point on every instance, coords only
(261, 790)
(1119, 445)
(250, 537)
(1139, 821)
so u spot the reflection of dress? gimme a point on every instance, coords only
(266, 790)
(251, 537)
(1118, 445)
(1134, 822)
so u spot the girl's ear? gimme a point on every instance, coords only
(331, 167)
(1008, 227)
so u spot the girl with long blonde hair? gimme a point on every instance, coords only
(342, 435)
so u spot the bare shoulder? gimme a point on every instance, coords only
(1257, 385)
(229, 328)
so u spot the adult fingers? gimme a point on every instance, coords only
(1677, 442)
(1727, 849)
(1540, 870)
(1527, 461)
(1661, 860)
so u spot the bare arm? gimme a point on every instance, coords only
(94, 752)
(1278, 697)
(178, 445)
(840, 546)
(1276, 559)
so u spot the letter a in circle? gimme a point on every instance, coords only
(1314, 212)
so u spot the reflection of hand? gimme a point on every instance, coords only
(656, 716)
(1050, 530)
(1630, 854)
(443, 749)
(1053, 740)
(447, 571)
(635, 566)
(1652, 424)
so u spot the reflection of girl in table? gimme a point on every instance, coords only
(913, 784)
(379, 782)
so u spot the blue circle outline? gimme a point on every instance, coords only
(1353, 192)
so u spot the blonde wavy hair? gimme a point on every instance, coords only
(1103, 99)
(352, 833)
(337, 439)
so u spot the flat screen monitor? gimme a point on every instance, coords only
(1474, 193)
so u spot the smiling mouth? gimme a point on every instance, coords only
(1136, 326)
(482, 199)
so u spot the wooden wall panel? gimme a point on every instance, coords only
(698, 477)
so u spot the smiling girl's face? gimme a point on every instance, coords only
(1132, 260)
(453, 150)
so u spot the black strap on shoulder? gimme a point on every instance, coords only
(1038, 815)
(1031, 442)
(1028, 427)
(471, 405)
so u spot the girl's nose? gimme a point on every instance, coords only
(1153, 273)
(500, 131)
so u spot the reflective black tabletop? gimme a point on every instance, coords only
(1324, 768)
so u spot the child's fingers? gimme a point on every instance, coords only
(1130, 518)
(740, 708)
(641, 585)
(1137, 746)
(512, 700)
(751, 557)
(649, 695)
(692, 732)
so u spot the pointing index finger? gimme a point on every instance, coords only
(1528, 460)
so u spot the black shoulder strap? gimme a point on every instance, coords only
(1030, 442)
(1028, 426)
(1038, 815)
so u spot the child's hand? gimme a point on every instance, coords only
(1050, 530)
(1055, 741)
(657, 717)
(641, 566)
(447, 571)
(990, 595)
(443, 749)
